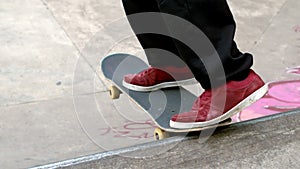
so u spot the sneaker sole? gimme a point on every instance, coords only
(159, 86)
(238, 108)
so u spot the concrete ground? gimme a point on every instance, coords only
(53, 104)
(269, 142)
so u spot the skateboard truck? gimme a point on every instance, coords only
(114, 92)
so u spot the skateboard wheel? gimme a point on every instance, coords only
(160, 134)
(114, 92)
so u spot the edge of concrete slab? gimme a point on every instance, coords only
(156, 144)
(98, 156)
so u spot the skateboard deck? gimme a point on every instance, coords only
(162, 104)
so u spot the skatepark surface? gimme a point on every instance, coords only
(54, 107)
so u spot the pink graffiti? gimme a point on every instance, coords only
(294, 70)
(282, 96)
(296, 28)
(136, 130)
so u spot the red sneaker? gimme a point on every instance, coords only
(219, 104)
(153, 79)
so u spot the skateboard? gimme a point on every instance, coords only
(162, 104)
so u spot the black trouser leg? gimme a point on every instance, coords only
(156, 58)
(215, 20)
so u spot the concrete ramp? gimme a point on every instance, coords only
(269, 142)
